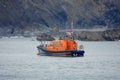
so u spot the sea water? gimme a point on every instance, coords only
(18, 61)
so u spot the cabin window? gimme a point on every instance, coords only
(55, 43)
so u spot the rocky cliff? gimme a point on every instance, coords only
(26, 16)
(55, 13)
(108, 35)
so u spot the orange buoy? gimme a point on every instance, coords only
(81, 47)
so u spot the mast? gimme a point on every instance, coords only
(71, 31)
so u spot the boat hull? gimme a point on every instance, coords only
(44, 52)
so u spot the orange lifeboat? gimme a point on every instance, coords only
(61, 47)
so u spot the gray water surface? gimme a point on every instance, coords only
(18, 61)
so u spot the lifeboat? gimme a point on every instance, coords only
(61, 48)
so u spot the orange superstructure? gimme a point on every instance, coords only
(61, 48)
(60, 45)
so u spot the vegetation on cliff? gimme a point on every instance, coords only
(30, 17)
(32, 14)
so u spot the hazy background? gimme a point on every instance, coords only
(30, 17)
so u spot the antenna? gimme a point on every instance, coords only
(71, 30)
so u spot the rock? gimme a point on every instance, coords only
(44, 37)
(90, 36)
(111, 35)
(108, 35)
